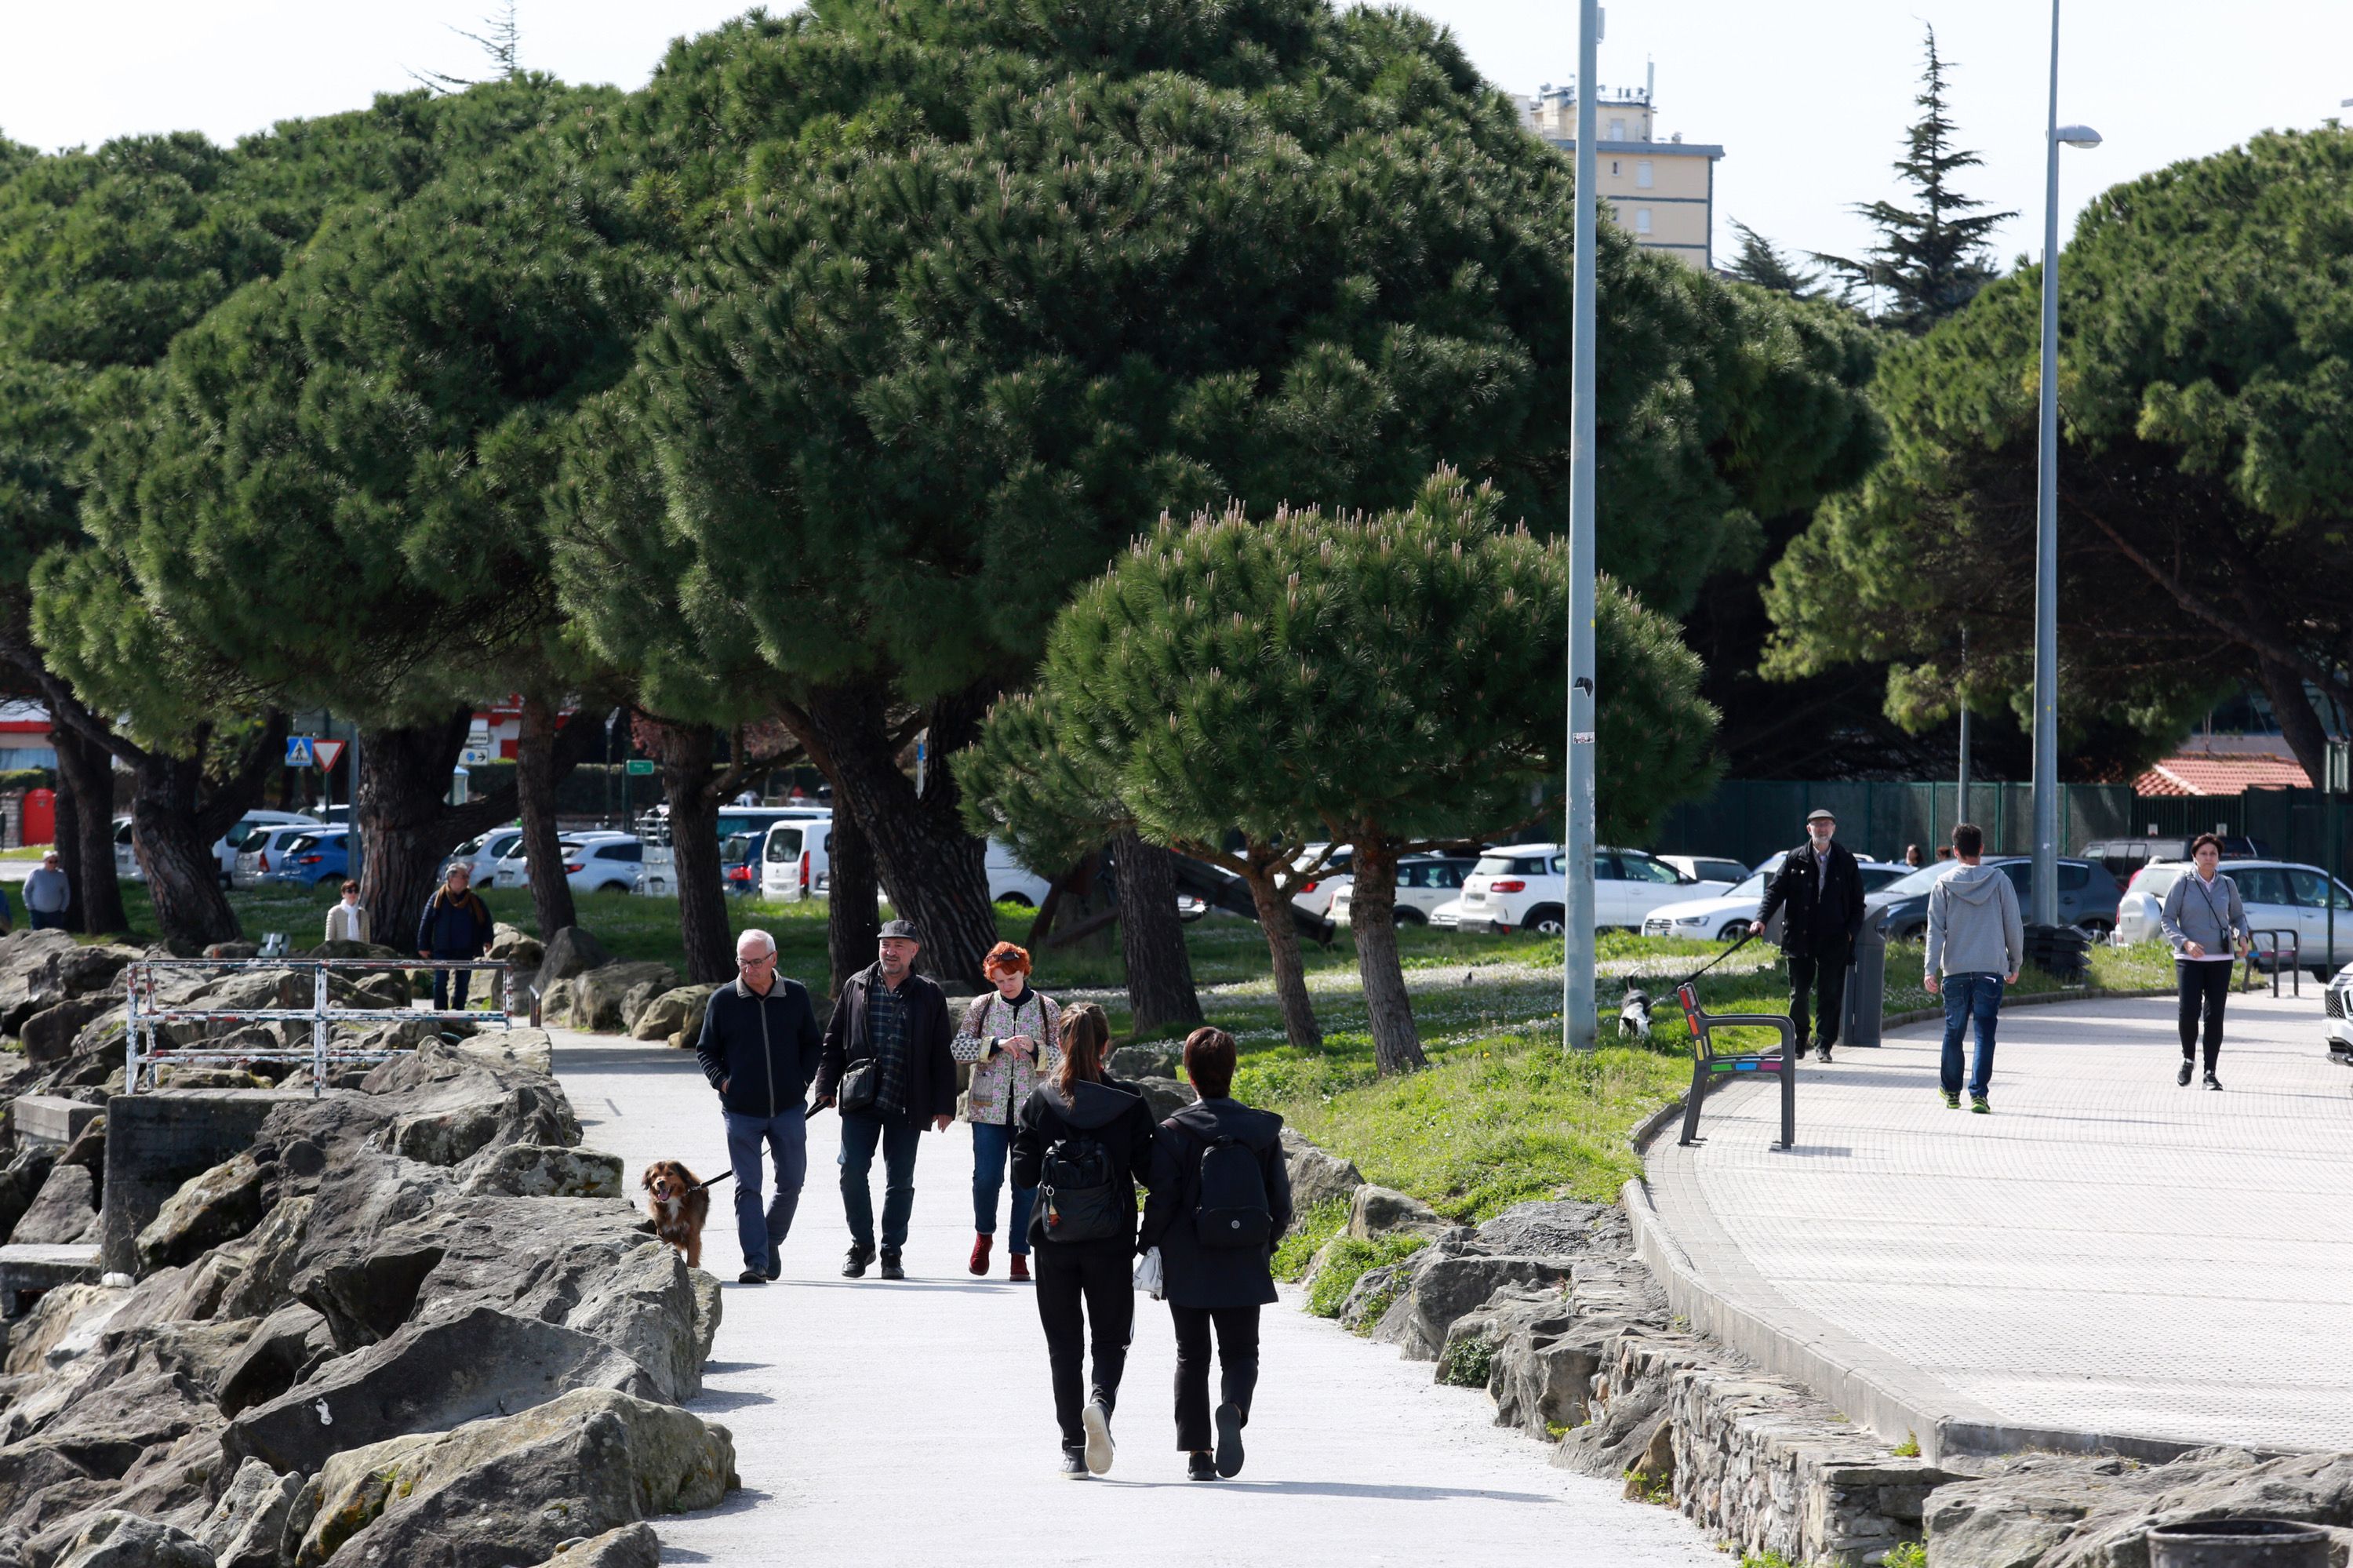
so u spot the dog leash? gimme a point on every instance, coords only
(1743, 941)
(706, 1186)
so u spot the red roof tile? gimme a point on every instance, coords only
(2204, 775)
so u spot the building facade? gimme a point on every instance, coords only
(1662, 193)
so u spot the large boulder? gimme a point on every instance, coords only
(291, 1344)
(20, 1183)
(511, 1490)
(1165, 1095)
(570, 951)
(511, 946)
(215, 1206)
(1317, 1177)
(66, 1211)
(246, 1528)
(1377, 1211)
(428, 1377)
(22, 954)
(119, 1540)
(631, 1546)
(50, 1034)
(674, 1012)
(75, 970)
(595, 996)
(541, 1170)
(1134, 1062)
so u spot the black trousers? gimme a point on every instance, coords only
(1819, 977)
(1237, 1363)
(2204, 984)
(1083, 1283)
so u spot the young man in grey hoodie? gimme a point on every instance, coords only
(1976, 942)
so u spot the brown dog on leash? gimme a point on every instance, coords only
(678, 1204)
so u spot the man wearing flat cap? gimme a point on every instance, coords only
(1818, 893)
(887, 1068)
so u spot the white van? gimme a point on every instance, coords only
(796, 859)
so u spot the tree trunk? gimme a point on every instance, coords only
(1397, 1045)
(173, 850)
(86, 831)
(1152, 938)
(66, 840)
(935, 870)
(853, 924)
(689, 754)
(1299, 1025)
(536, 775)
(2300, 725)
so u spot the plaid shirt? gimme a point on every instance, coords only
(886, 1036)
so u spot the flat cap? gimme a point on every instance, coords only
(1821, 815)
(902, 929)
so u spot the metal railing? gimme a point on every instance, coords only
(2296, 959)
(147, 1044)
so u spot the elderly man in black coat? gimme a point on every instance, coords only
(1818, 891)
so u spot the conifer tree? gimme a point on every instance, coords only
(1933, 257)
(1761, 262)
(1393, 683)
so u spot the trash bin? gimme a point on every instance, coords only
(2060, 951)
(1866, 984)
(2238, 1543)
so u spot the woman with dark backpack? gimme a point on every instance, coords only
(1083, 1141)
(1220, 1200)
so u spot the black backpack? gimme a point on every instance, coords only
(1232, 1210)
(1076, 1193)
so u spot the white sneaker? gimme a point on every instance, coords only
(1097, 1421)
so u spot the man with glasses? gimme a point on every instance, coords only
(760, 1047)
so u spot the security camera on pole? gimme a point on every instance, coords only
(1577, 1008)
(2046, 531)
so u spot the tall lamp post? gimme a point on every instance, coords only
(2046, 530)
(1576, 1005)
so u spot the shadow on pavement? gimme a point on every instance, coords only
(1368, 1490)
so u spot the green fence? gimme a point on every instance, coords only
(1750, 819)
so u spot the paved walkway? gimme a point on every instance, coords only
(912, 1424)
(2106, 1252)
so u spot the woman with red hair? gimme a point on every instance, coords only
(1011, 1036)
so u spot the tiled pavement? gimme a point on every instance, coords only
(2106, 1252)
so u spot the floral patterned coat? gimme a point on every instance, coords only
(1001, 1080)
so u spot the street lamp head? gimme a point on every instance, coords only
(2079, 136)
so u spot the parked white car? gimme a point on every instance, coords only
(1011, 882)
(1424, 882)
(1519, 888)
(513, 869)
(225, 848)
(262, 850)
(797, 859)
(1724, 918)
(1709, 867)
(481, 854)
(2337, 1003)
(2279, 896)
(1316, 896)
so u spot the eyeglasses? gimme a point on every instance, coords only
(763, 961)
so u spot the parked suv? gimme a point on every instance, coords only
(313, 855)
(262, 851)
(2279, 896)
(2088, 896)
(1519, 888)
(1423, 882)
(2339, 1005)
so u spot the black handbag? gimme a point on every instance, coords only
(859, 1083)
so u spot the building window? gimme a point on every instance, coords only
(1642, 179)
(1617, 130)
(1613, 168)
(1641, 220)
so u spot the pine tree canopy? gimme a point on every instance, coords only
(991, 285)
(2205, 483)
(329, 490)
(1931, 259)
(1761, 262)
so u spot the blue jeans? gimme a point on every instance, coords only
(1967, 996)
(46, 919)
(787, 1136)
(992, 1146)
(448, 982)
(859, 1134)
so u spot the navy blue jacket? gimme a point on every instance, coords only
(764, 1048)
(454, 928)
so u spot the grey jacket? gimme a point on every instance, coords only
(1973, 923)
(2208, 914)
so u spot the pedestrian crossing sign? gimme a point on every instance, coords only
(299, 752)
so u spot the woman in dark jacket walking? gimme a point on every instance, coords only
(1210, 1284)
(1084, 1141)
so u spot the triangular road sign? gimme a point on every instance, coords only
(327, 751)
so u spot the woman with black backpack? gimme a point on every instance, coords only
(1220, 1200)
(1084, 1141)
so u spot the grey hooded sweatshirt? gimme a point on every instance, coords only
(1973, 923)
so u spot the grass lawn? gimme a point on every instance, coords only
(26, 852)
(1502, 1114)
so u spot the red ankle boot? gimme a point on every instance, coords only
(1020, 1266)
(980, 1254)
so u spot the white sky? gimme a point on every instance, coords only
(1809, 100)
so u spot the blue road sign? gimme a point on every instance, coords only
(298, 752)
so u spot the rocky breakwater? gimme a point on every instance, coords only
(412, 1323)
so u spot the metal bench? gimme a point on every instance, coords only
(1709, 1069)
